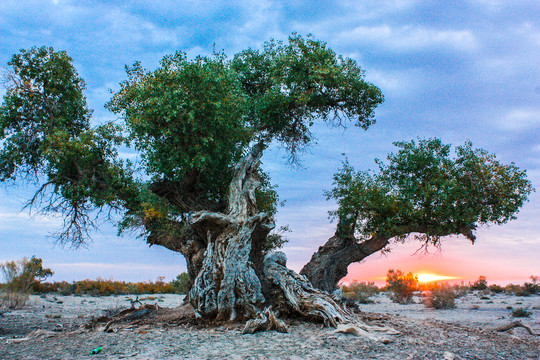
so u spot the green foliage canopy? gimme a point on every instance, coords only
(423, 189)
(191, 120)
(45, 135)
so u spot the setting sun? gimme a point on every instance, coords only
(425, 278)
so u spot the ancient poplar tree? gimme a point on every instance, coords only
(201, 126)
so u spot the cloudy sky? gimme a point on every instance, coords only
(460, 70)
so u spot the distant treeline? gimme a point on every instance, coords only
(102, 287)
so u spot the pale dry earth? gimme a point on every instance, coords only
(49, 327)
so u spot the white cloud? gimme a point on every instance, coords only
(396, 82)
(410, 38)
(536, 148)
(139, 30)
(374, 9)
(520, 119)
(21, 220)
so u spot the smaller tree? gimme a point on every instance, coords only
(421, 190)
(401, 286)
(181, 284)
(480, 284)
(21, 276)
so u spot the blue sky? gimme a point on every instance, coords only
(460, 70)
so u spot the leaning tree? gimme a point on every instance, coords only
(201, 126)
(423, 191)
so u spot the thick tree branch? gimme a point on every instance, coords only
(242, 203)
(330, 263)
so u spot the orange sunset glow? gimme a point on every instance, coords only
(427, 277)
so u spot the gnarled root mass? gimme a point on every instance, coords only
(296, 293)
(266, 320)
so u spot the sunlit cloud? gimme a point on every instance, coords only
(521, 119)
(410, 38)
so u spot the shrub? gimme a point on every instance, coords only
(520, 312)
(517, 290)
(496, 289)
(440, 297)
(360, 292)
(480, 284)
(20, 276)
(534, 287)
(401, 286)
(461, 290)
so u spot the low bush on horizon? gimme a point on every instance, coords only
(440, 296)
(401, 286)
(102, 287)
(496, 289)
(461, 289)
(360, 291)
(480, 284)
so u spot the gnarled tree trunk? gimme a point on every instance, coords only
(234, 281)
(228, 285)
(294, 293)
(330, 263)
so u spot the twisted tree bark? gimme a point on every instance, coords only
(228, 286)
(294, 293)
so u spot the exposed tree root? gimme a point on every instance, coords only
(312, 303)
(300, 295)
(266, 321)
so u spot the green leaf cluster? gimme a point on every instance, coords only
(46, 136)
(44, 97)
(193, 119)
(291, 86)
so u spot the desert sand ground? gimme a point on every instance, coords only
(51, 327)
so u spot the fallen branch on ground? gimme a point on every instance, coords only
(512, 325)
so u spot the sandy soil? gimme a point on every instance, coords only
(51, 328)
